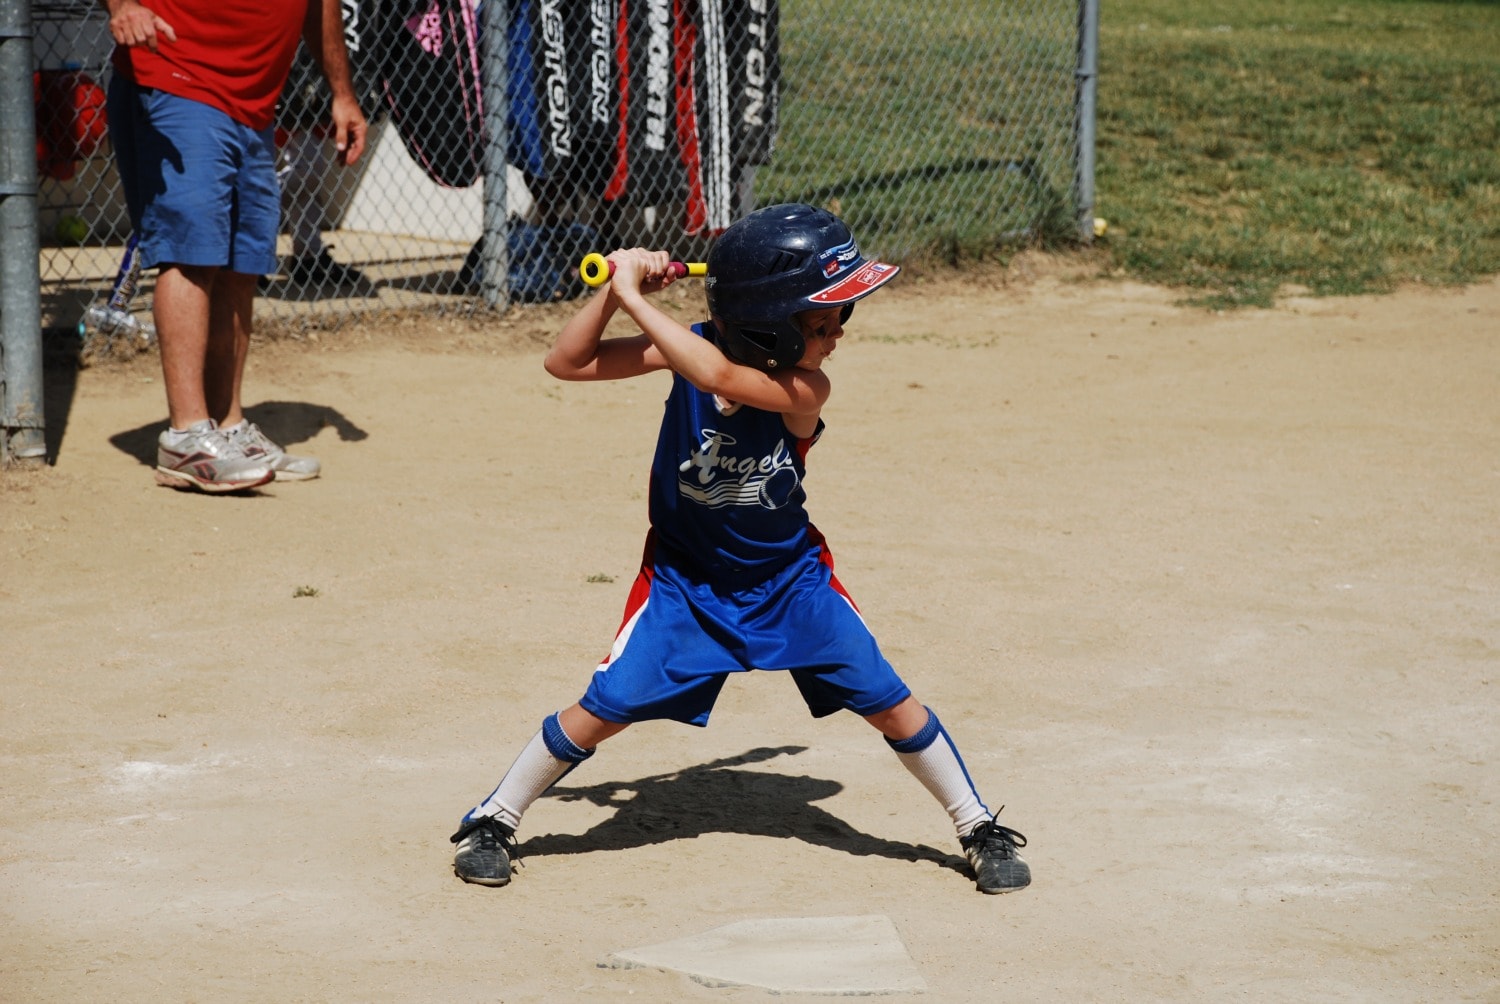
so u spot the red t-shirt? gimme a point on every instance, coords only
(231, 54)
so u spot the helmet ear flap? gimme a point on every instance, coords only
(758, 347)
(763, 340)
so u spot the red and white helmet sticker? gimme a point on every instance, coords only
(869, 276)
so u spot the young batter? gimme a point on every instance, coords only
(735, 577)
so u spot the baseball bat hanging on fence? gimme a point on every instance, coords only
(596, 270)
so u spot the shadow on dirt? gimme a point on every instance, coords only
(287, 423)
(717, 798)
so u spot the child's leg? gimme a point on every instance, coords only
(564, 741)
(486, 837)
(926, 749)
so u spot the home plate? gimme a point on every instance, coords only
(805, 955)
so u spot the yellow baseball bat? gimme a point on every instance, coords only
(596, 270)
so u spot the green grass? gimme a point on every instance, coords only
(905, 121)
(1341, 147)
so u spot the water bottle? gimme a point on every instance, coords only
(113, 322)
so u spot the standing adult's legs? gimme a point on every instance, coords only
(230, 323)
(203, 326)
(181, 311)
(203, 319)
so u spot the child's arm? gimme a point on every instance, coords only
(794, 393)
(582, 353)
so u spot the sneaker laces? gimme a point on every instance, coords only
(214, 440)
(489, 833)
(992, 837)
(249, 437)
(252, 432)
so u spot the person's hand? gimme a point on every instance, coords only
(131, 23)
(638, 270)
(349, 128)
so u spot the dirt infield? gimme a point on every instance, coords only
(1211, 603)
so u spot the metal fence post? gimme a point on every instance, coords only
(22, 434)
(1087, 76)
(495, 256)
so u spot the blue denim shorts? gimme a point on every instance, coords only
(201, 188)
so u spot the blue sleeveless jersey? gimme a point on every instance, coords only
(734, 578)
(726, 500)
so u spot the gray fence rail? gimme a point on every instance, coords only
(511, 138)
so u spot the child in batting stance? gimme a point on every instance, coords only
(735, 577)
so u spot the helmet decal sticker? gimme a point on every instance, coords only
(862, 280)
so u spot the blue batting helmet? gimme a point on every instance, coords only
(775, 263)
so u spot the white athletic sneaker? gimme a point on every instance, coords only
(287, 466)
(203, 457)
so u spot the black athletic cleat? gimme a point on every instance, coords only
(991, 849)
(485, 849)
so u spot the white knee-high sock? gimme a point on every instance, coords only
(933, 759)
(547, 757)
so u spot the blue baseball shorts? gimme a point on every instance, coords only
(201, 188)
(681, 639)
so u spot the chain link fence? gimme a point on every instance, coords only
(511, 137)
